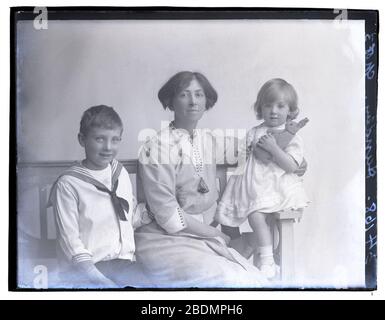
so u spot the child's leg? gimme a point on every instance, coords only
(263, 243)
(261, 228)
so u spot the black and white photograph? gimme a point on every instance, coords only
(195, 149)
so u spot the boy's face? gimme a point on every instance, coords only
(101, 146)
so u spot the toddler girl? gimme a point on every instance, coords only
(264, 185)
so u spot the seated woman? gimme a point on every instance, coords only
(177, 169)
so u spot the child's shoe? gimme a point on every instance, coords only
(264, 260)
(270, 271)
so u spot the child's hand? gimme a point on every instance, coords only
(268, 143)
(260, 153)
(301, 169)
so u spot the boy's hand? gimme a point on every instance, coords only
(268, 143)
(94, 275)
(100, 279)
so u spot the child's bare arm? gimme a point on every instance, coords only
(285, 161)
(280, 157)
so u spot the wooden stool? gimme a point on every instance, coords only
(285, 252)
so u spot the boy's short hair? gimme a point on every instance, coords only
(268, 93)
(100, 117)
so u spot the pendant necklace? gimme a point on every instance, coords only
(198, 166)
(196, 161)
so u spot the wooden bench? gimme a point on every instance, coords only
(39, 176)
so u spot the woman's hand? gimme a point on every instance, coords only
(204, 230)
(225, 237)
(268, 143)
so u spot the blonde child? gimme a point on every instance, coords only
(259, 188)
(95, 210)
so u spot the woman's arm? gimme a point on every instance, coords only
(280, 157)
(159, 185)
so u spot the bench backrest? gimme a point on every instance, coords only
(35, 181)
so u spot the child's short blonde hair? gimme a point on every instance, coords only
(100, 117)
(269, 92)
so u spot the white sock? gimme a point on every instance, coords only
(266, 254)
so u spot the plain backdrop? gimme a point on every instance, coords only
(77, 64)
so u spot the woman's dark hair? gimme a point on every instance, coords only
(179, 82)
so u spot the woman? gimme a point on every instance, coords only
(178, 172)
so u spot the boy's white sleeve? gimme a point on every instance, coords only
(65, 207)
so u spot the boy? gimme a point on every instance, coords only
(95, 210)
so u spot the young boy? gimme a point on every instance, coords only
(95, 210)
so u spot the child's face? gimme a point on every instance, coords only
(101, 146)
(275, 112)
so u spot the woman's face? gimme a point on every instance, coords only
(190, 103)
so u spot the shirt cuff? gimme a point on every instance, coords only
(176, 223)
(81, 257)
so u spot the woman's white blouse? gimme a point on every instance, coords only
(170, 177)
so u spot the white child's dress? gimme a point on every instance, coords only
(256, 186)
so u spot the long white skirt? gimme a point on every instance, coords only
(185, 261)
